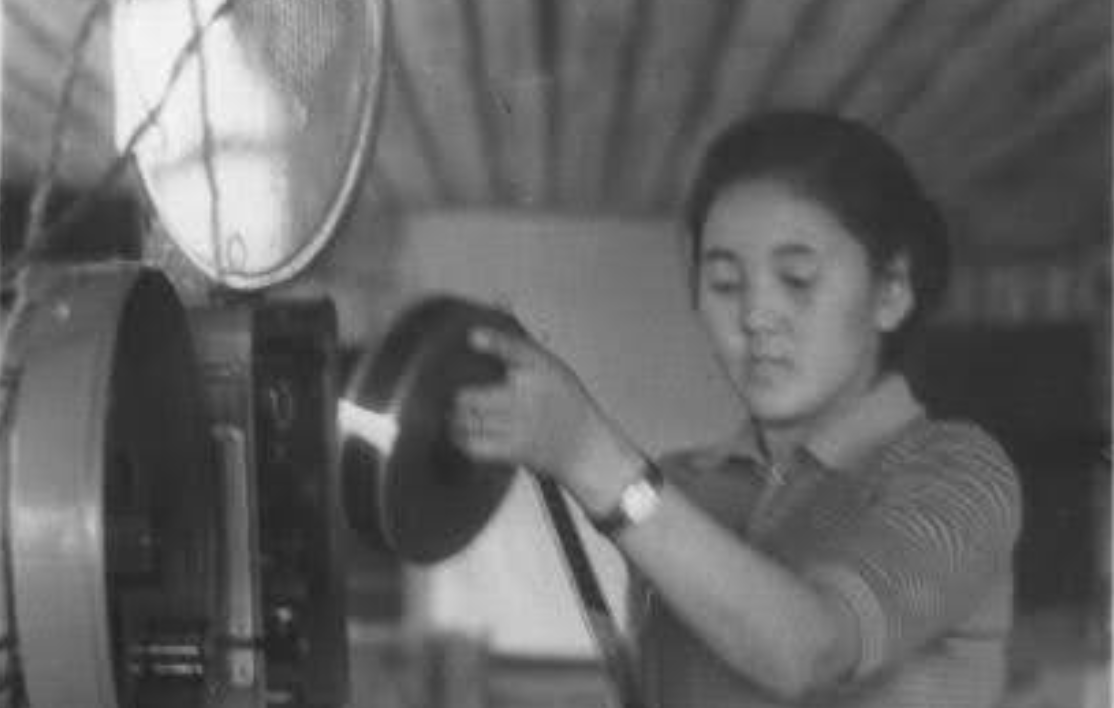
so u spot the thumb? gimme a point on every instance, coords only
(513, 350)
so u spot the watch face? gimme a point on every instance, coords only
(639, 501)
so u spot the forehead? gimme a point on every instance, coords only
(759, 216)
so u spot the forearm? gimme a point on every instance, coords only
(763, 620)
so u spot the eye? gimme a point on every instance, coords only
(798, 281)
(722, 279)
(799, 275)
(724, 286)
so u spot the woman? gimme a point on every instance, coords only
(843, 548)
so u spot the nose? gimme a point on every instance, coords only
(757, 311)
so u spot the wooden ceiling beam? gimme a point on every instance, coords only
(23, 158)
(980, 18)
(1051, 64)
(382, 189)
(807, 23)
(1082, 108)
(80, 121)
(709, 68)
(1041, 75)
(41, 66)
(58, 19)
(482, 93)
(547, 34)
(425, 138)
(1017, 54)
(21, 26)
(26, 146)
(397, 154)
(880, 44)
(432, 49)
(632, 54)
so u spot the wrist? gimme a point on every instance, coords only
(637, 502)
(600, 476)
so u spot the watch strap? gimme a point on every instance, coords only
(637, 501)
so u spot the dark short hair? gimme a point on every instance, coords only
(854, 173)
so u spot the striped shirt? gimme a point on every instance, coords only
(908, 522)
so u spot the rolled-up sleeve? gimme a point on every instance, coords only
(922, 556)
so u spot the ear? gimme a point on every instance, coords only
(894, 298)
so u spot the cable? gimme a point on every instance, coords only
(77, 211)
(41, 196)
(207, 149)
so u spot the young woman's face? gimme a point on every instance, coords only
(794, 308)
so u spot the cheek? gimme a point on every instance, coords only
(842, 325)
(721, 323)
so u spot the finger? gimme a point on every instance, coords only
(487, 400)
(466, 428)
(512, 349)
(486, 450)
(480, 420)
(483, 445)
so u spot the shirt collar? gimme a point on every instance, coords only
(742, 446)
(875, 418)
(847, 441)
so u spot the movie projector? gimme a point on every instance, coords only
(170, 488)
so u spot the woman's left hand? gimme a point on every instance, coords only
(543, 418)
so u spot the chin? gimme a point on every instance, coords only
(777, 407)
(775, 417)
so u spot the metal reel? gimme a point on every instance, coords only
(431, 500)
(111, 498)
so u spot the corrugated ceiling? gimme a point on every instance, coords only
(602, 105)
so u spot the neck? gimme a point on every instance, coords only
(779, 439)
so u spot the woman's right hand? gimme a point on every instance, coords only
(542, 417)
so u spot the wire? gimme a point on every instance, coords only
(207, 148)
(45, 186)
(75, 213)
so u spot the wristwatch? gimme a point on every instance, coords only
(637, 502)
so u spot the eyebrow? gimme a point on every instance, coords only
(795, 250)
(716, 254)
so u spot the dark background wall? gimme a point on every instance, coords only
(1039, 389)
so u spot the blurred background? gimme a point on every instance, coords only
(534, 154)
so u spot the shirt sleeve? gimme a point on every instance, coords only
(921, 558)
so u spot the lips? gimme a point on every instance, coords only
(765, 368)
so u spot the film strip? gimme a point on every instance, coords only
(598, 615)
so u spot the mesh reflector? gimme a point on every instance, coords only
(250, 177)
(296, 39)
